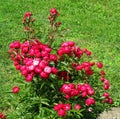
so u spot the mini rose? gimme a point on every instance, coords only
(106, 94)
(100, 65)
(47, 69)
(29, 78)
(61, 113)
(77, 107)
(15, 44)
(27, 15)
(66, 107)
(58, 106)
(53, 12)
(90, 101)
(15, 89)
(44, 75)
(2, 116)
(110, 100)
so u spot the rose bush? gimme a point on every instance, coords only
(64, 80)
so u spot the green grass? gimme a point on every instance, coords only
(93, 24)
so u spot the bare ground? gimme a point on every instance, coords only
(112, 114)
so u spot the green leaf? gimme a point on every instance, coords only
(44, 101)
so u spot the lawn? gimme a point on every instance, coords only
(93, 24)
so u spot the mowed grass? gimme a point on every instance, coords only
(92, 24)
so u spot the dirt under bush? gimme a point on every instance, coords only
(114, 113)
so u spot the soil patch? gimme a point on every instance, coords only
(114, 113)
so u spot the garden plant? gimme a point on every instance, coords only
(62, 79)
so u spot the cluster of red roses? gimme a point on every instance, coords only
(63, 108)
(33, 58)
(71, 90)
(71, 49)
(86, 67)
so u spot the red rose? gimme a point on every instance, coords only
(77, 107)
(2, 116)
(15, 89)
(61, 113)
(53, 12)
